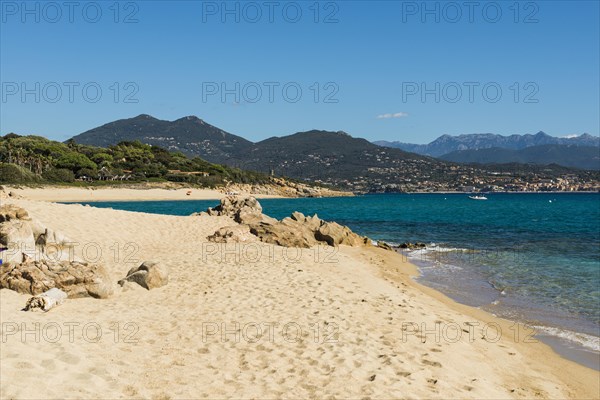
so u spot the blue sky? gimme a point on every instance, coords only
(361, 67)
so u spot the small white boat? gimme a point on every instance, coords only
(478, 197)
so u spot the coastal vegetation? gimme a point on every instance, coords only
(35, 159)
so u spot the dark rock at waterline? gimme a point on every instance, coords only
(412, 246)
(384, 245)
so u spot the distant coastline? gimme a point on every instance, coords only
(172, 192)
(513, 192)
(163, 192)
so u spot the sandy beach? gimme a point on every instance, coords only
(258, 321)
(74, 194)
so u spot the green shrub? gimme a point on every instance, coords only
(59, 175)
(12, 173)
(99, 158)
(92, 173)
(75, 161)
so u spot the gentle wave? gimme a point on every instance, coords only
(434, 248)
(588, 341)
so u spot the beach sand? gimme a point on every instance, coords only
(67, 194)
(260, 321)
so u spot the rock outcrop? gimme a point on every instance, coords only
(24, 237)
(385, 246)
(287, 233)
(243, 210)
(335, 234)
(16, 235)
(149, 275)
(10, 212)
(301, 231)
(412, 246)
(77, 279)
(285, 188)
(294, 231)
(232, 234)
(36, 259)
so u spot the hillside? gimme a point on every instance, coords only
(189, 135)
(446, 144)
(323, 155)
(337, 159)
(582, 157)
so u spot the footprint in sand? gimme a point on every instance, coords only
(83, 376)
(432, 363)
(23, 365)
(48, 363)
(68, 358)
(130, 391)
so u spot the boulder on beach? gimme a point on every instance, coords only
(77, 279)
(47, 300)
(149, 275)
(11, 212)
(5, 195)
(17, 237)
(34, 262)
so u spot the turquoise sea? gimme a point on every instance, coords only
(534, 258)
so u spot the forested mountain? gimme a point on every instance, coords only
(189, 135)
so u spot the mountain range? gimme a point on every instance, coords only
(447, 144)
(334, 158)
(305, 155)
(582, 157)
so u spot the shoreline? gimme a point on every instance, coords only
(110, 194)
(574, 371)
(383, 279)
(499, 192)
(151, 192)
(67, 194)
(566, 348)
